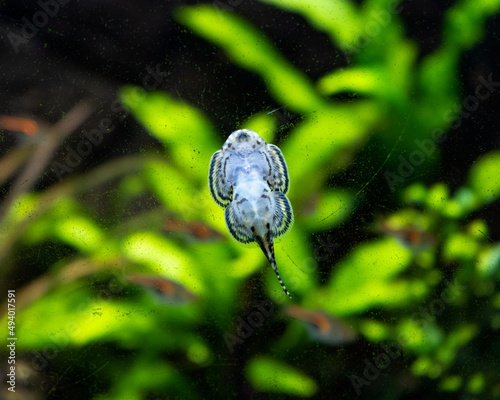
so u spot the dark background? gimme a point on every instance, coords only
(91, 48)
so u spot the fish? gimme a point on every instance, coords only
(166, 290)
(196, 230)
(18, 124)
(323, 327)
(249, 178)
(411, 236)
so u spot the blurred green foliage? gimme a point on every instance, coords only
(86, 301)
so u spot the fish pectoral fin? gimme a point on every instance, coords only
(283, 215)
(279, 180)
(220, 189)
(238, 230)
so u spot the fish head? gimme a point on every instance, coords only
(244, 141)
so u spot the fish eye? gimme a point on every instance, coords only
(243, 136)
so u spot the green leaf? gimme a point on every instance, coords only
(184, 131)
(322, 138)
(173, 189)
(488, 261)
(438, 90)
(272, 376)
(250, 49)
(78, 316)
(454, 341)
(465, 22)
(332, 208)
(147, 373)
(459, 246)
(296, 264)
(163, 257)
(484, 178)
(67, 223)
(419, 336)
(264, 124)
(338, 18)
(366, 278)
(362, 80)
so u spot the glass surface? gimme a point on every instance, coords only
(119, 277)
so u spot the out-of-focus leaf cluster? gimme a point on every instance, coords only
(431, 241)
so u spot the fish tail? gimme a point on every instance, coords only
(268, 249)
(275, 267)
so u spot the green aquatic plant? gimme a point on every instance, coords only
(146, 299)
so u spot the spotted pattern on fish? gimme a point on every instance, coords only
(249, 178)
